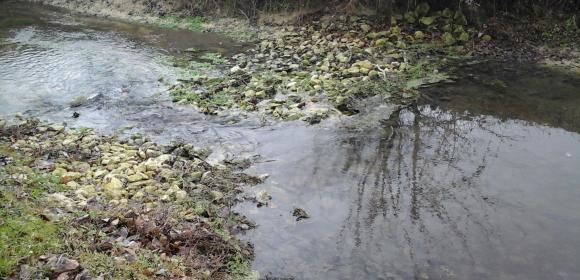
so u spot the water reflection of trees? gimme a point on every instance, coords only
(417, 188)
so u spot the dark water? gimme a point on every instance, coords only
(481, 181)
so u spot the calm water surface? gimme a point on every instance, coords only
(482, 181)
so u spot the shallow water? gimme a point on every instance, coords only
(481, 181)
(52, 61)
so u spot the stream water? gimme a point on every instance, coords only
(480, 182)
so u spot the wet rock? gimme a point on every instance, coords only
(300, 214)
(262, 197)
(316, 115)
(78, 101)
(56, 127)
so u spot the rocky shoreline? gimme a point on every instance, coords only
(117, 208)
(328, 66)
(324, 67)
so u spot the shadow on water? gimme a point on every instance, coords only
(437, 191)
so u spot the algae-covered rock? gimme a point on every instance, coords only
(410, 17)
(216, 195)
(419, 35)
(342, 57)
(381, 42)
(364, 64)
(448, 38)
(463, 36)
(113, 187)
(139, 176)
(428, 21)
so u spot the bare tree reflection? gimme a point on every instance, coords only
(417, 184)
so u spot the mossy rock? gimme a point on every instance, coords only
(428, 20)
(395, 30)
(463, 37)
(410, 17)
(448, 38)
(419, 35)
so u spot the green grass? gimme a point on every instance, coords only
(23, 234)
(219, 99)
(191, 23)
(40, 184)
(141, 269)
(239, 268)
(214, 58)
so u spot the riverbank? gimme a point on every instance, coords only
(324, 68)
(77, 205)
(165, 14)
(330, 65)
(325, 65)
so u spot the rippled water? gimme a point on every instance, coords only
(52, 61)
(482, 181)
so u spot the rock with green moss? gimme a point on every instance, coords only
(448, 38)
(428, 21)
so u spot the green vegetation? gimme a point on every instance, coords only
(90, 225)
(25, 232)
(213, 58)
(239, 267)
(218, 100)
(191, 23)
(144, 266)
